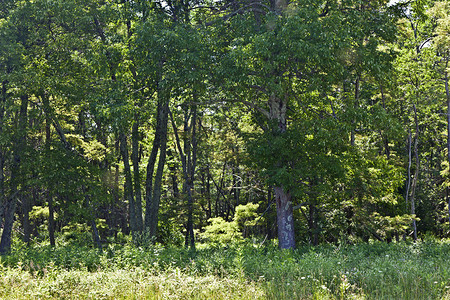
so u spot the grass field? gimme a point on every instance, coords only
(363, 271)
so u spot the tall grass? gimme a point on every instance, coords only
(364, 271)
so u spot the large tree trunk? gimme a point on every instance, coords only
(10, 209)
(153, 183)
(285, 215)
(285, 218)
(11, 202)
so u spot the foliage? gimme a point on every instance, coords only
(340, 103)
(222, 232)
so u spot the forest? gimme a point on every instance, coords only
(203, 124)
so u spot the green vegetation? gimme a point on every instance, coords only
(129, 128)
(240, 271)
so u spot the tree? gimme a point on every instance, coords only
(441, 41)
(292, 61)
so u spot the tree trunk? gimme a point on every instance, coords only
(92, 218)
(416, 174)
(352, 133)
(447, 93)
(26, 208)
(173, 176)
(408, 179)
(2, 157)
(208, 193)
(153, 189)
(95, 235)
(285, 220)
(188, 158)
(192, 164)
(285, 215)
(11, 202)
(51, 219)
(10, 209)
(2, 184)
(128, 185)
(137, 177)
(387, 150)
(312, 222)
(269, 222)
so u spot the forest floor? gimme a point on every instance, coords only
(363, 271)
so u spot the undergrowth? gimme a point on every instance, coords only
(239, 271)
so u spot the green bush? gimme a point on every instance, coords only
(222, 232)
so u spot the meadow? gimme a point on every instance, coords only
(239, 271)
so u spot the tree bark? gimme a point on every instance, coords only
(95, 234)
(11, 202)
(128, 185)
(387, 150)
(312, 220)
(136, 174)
(2, 184)
(269, 222)
(285, 215)
(51, 218)
(192, 164)
(408, 179)
(188, 158)
(10, 209)
(26, 208)
(2, 156)
(174, 178)
(447, 93)
(357, 87)
(208, 192)
(416, 174)
(285, 219)
(153, 183)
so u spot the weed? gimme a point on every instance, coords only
(240, 271)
